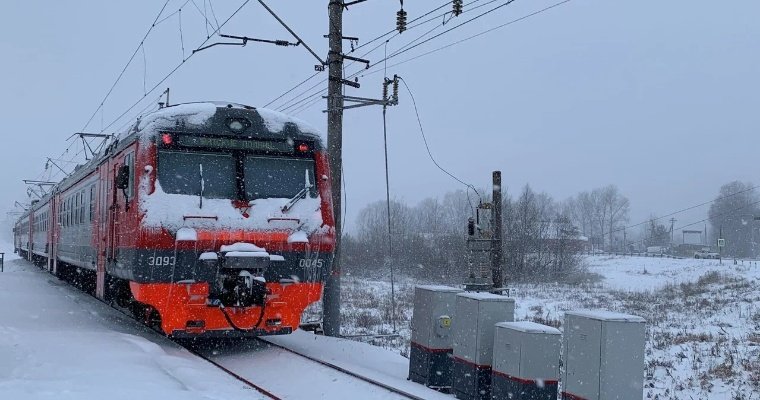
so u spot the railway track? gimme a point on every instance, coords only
(289, 374)
(257, 354)
(369, 380)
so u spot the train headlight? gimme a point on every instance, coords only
(238, 125)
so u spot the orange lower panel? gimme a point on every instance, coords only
(179, 303)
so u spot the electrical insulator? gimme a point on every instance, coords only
(395, 88)
(385, 89)
(401, 20)
(457, 7)
(471, 226)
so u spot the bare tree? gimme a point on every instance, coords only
(615, 209)
(733, 213)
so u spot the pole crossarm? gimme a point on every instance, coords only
(295, 35)
(244, 41)
(276, 42)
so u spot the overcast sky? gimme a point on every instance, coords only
(658, 97)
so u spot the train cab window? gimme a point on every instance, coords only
(278, 177)
(193, 173)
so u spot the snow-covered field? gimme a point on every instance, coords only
(703, 336)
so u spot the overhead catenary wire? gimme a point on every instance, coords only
(284, 105)
(140, 47)
(475, 18)
(181, 36)
(374, 70)
(175, 69)
(471, 37)
(380, 62)
(121, 74)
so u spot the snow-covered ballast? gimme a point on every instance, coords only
(226, 222)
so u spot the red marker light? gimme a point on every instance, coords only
(167, 139)
(303, 147)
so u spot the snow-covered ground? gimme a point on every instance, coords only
(58, 343)
(703, 336)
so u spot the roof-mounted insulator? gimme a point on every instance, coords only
(457, 7)
(401, 21)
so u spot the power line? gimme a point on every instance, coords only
(284, 105)
(448, 30)
(121, 74)
(679, 212)
(373, 68)
(472, 37)
(707, 219)
(177, 67)
(427, 146)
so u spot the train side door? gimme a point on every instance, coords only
(104, 229)
(50, 234)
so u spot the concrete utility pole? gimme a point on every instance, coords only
(331, 296)
(497, 255)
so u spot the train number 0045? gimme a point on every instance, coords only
(309, 263)
(161, 261)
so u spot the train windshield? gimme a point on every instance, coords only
(212, 175)
(271, 177)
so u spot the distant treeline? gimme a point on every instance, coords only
(542, 238)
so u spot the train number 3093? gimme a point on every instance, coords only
(161, 261)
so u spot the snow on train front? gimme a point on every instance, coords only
(229, 228)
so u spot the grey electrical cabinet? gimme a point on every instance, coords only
(431, 346)
(476, 318)
(525, 361)
(603, 356)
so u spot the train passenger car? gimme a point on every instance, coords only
(207, 219)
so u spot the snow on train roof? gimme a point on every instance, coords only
(194, 113)
(199, 114)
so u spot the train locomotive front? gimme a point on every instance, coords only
(221, 221)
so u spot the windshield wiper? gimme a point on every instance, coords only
(203, 186)
(300, 195)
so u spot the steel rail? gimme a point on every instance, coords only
(345, 371)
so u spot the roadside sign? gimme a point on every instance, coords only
(721, 242)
